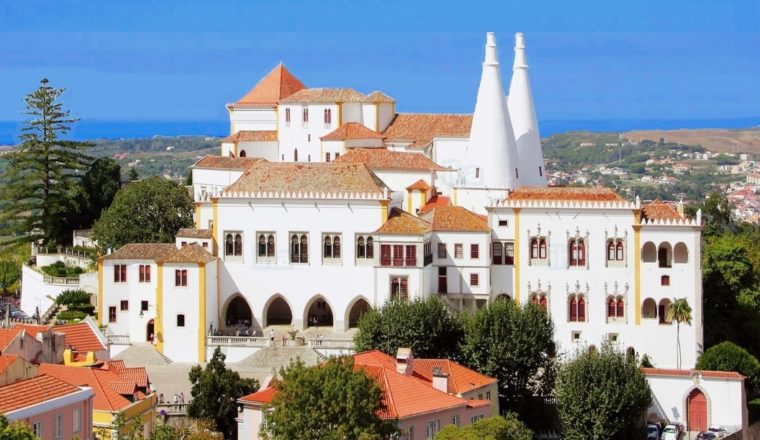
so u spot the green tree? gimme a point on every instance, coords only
(514, 344)
(133, 176)
(99, 186)
(215, 390)
(424, 325)
(332, 401)
(680, 311)
(44, 170)
(602, 396)
(492, 428)
(728, 356)
(15, 430)
(149, 211)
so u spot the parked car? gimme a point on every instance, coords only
(706, 435)
(672, 432)
(719, 431)
(653, 431)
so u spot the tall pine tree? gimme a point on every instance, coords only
(39, 200)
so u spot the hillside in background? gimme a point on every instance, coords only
(717, 140)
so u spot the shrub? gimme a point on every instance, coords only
(73, 296)
(728, 356)
(87, 309)
(492, 428)
(71, 315)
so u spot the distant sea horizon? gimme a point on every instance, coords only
(90, 129)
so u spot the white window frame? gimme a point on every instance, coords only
(234, 256)
(266, 258)
(433, 427)
(76, 422)
(300, 235)
(332, 260)
(58, 426)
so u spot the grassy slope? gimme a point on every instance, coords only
(717, 140)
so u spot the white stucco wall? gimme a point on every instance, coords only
(253, 119)
(265, 150)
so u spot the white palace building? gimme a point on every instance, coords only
(326, 202)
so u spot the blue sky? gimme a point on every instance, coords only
(182, 60)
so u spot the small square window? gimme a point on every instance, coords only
(124, 306)
(503, 222)
(144, 306)
(575, 336)
(180, 320)
(613, 337)
(474, 279)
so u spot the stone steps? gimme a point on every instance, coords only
(274, 358)
(143, 354)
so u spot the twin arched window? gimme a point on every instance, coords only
(576, 252)
(233, 244)
(328, 116)
(331, 247)
(615, 250)
(299, 248)
(540, 300)
(615, 308)
(577, 308)
(266, 245)
(538, 248)
(365, 247)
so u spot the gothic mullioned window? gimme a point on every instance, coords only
(538, 248)
(331, 247)
(365, 247)
(576, 249)
(615, 308)
(299, 248)
(576, 308)
(266, 246)
(233, 244)
(541, 300)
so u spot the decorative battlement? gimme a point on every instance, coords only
(567, 204)
(305, 195)
(696, 222)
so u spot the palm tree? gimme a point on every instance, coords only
(680, 311)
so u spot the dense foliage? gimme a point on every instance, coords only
(99, 186)
(424, 325)
(44, 169)
(332, 401)
(15, 430)
(602, 395)
(60, 269)
(215, 390)
(73, 296)
(493, 428)
(149, 211)
(728, 356)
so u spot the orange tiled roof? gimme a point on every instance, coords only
(732, 375)
(6, 360)
(456, 218)
(596, 193)
(80, 336)
(191, 253)
(461, 378)
(32, 329)
(435, 202)
(278, 84)
(227, 162)
(36, 390)
(143, 251)
(378, 97)
(124, 387)
(261, 396)
(252, 136)
(658, 210)
(385, 159)
(7, 335)
(402, 223)
(325, 96)
(309, 177)
(420, 185)
(351, 130)
(420, 128)
(194, 233)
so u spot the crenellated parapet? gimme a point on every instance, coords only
(304, 195)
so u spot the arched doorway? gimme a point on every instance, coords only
(319, 313)
(150, 331)
(360, 307)
(278, 312)
(238, 314)
(696, 405)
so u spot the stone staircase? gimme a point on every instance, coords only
(274, 358)
(143, 354)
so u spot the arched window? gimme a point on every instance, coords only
(611, 308)
(327, 253)
(360, 248)
(228, 246)
(533, 248)
(576, 252)
(680, 253)
(294, 251)
(370, 248)
(304, 249)
(581, 309)
(662, 311)
(577, 305)
(649, 252)
(611, 251)
(262, 246)
(664, 255)
(305, 115)
(542, 303)
(619, 250)
(649, 309)
(542, 249)
(295, 155)
(573, 309)
(242, 153)
(270, 246)
(328, 116)
(336, 247)
(238, 244)
(331, 247)
(620, 308)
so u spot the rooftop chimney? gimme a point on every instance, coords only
(404, 361)
(440, 380)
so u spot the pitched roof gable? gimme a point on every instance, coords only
(435, 202)
(278, 84)
(80, 336)
(659, 210)
(191, 253)
(6, 360)
(325, 96)
(385, 159)
(252, 136)
(419, 129)
(351, 130)
(143, 251)
(456, 219)
(36, 390)
(195, 233)
(7, 335)
(226, 162)
(461, 378)
(378, 97)
(402, 223)
(32, 329)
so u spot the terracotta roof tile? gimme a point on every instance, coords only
(80, 336)
(419, 185)
(143, 251)
(461, 378)
(455, 218)
(278, 84)
(6, 360)
(261, 397)
(732, 375)
(32, 329)
(475, 403)
(378, 97)
(227, 163)
(124, 387)
(324, 96)
(420, 128)
(194, 233)
(252, 136)
(596, 193)
(385, 159)
(7, 335)
(191, 253)
(435, 202)
(402, 223)
(658, 210)
(351, 130)
(309, 177)
(35, 390)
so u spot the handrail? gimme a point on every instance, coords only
(239, 341)
(331, 343)
(60, 281)
(172, 408)
(118, 339)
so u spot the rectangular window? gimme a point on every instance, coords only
(327, 157)
(398, 254)
(120, 273)
(76, 416)
(184, 243)
(37, 428)
(287, 117)
(503, 223)
(58, 426)
(365, 247)
(455, 420)
(458, 250)
(433, 427)
(145, 273)
(474, 279)
(509, 253)
(399, 288)
(112, 314)
(441, 250)
(124, 306)
(427, 253)
(144, 306)
(180, 278)
(488, 395)
(205, 245)
(331, 247)
(474, 419)
(266, 246)
(497, 253)
(180, 320)
(385, 255)
(442, 287)
(474, 251)
(411, 255)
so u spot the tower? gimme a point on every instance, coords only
(492, 150)
(524, 124)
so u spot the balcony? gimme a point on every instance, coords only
(238, 341)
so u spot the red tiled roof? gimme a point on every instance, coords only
(262, 396)
(351, 130)
(6, 360)
(732, 375)
(195, 233)
(32, 329)
(35, 390)
(324, 96)
(252, 136)
(596, 193)
(278, 84)
(385, 159)
(124, 387)
(191, 253)
(475, 403)
(7, 335)
(419, 128)
(227, 162)
(435, 202)
(143, 251)
(420, 185)
(658, 210)
(402, 223)
(461, 378)
(378, 97)
(80, 336)
(456, 218)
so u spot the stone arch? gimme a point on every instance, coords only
(318, 313)
(649, 252)
(277, 311)
(649, 309)
(665, 254)
(697, 408)
(680, 253)
(662, 310)
(355, 310)
(237, 312)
